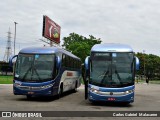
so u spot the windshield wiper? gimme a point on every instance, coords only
(36, 73)
(32, 74)
(26, 73)
(105, 75)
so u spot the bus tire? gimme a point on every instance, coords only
(60, 91)
(29, 97)
(126, 103)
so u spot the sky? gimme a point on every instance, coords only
(132, 22)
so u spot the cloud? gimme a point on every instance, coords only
(123, 21)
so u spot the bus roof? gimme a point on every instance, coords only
(46, 50)
(111, 47)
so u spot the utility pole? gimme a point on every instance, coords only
(15, 37)
(144, 70)
(8, 51)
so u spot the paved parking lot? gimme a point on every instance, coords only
(147, 98)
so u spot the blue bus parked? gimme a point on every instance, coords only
(45, 71)
(110, 73)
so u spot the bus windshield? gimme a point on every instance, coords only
(112, 69)
(34, 67)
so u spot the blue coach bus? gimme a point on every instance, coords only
(110, 73)
(45, 71)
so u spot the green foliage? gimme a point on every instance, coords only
(151, 63)
(80, 45)
(6, 79)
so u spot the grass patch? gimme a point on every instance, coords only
(82, 82)
(9, 80)
(6, 79)
(150, 82)
(154, 81)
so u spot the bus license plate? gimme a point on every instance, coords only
(111, 99)
(30, 93)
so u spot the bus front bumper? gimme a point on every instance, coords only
(45, 92)
(111, 98)
(34, 89)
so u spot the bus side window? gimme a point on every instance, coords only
(76, 64)
(67, 61)
(72, 63)
(55, 72)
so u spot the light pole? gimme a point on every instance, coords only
(15, 36)
(144, 63)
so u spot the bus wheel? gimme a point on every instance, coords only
(126, 103)
(28, 96)
(60, 91)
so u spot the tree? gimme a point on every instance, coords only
(152, 65)
(80, 45)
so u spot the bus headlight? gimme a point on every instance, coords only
(129, 91)
(46, 86)
(94, 90)
(17, 84)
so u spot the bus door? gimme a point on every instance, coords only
(86, 75)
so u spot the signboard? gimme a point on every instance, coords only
(51, 30)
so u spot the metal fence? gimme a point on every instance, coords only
(5, 69)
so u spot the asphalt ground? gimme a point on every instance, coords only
(147, 98)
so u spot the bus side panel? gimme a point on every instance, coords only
(69, 77)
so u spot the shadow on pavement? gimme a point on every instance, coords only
(98, 104)
(46, 98)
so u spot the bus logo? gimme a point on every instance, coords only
(69, 74)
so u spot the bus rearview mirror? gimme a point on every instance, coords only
(87, 65)
(11, 60)
(137, 63)
(58, 62)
